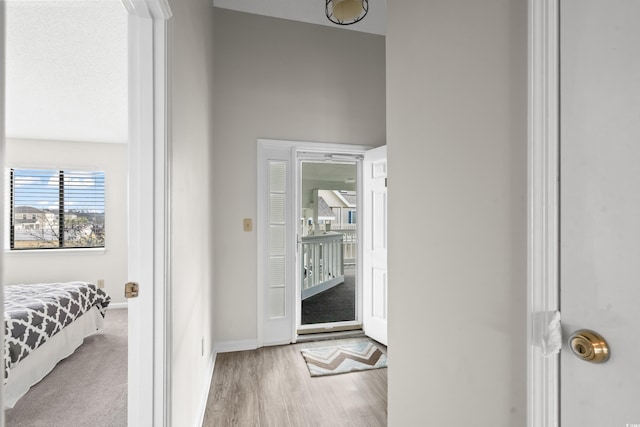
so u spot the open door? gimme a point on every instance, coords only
(277, 234)
(599, 211)
(584, 209)
(2, 165)
(374, 244)
(149, 341)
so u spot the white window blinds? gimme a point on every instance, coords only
(56, 209)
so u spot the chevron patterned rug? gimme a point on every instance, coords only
(341, 359)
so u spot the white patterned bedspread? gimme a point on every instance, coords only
(35, 313)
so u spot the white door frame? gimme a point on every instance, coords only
(318, 156)
(2, 164)
(149, 363)
(543, 399)
(266, 148)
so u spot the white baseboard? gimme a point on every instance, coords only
(277, 342)
(228, 346)
(118, 305)
(205, 392)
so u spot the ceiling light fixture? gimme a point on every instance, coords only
(346, 12)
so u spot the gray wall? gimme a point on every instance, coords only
(193, 212)
(279, 79)
(457, 146)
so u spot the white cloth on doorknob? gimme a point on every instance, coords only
(552, 336)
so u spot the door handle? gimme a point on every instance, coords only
(131, 290)
(589, 346)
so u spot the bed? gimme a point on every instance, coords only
(44, 323)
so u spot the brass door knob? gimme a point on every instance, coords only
(589, 346)
(131, 290)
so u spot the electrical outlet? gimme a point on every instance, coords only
(247, 224)
(101, 283)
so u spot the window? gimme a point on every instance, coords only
(51, 209)
(352, 217)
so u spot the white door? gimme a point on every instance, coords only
(148, 360)
(600, 207)
(2, 166)
(374, 243)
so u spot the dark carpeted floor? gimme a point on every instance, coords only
(337, 304)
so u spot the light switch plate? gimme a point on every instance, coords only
(247, 224)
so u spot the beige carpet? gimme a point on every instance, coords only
(89, 388)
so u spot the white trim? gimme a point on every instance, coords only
(321, 148)
(55, 164)
(261, 248)
(2, 177)
(117, 305)
(55, 251)
(542, 276)
(162, 44)
(360, 246)
(328, 327)
(331, 153)
(295, 150)
(205, 392)
(272, 329)
(229, 346)
(149, 121)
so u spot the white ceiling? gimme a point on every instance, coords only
(312, 11)
(66, 70)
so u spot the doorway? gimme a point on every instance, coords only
(328, 246)
(146, 30)
(67, 130)
(281, 263)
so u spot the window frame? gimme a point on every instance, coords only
(60, 213)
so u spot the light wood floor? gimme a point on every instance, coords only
(271, 386)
